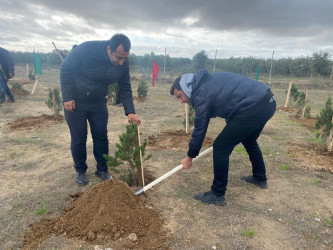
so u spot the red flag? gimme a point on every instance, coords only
(155, 72)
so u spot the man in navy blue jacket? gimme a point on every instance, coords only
(85, 75)
(245, 104)
(6, 72)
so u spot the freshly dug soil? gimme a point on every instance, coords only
(109, 214)
(34, 122)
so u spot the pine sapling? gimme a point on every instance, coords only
(128, 152)
(324, 119)
(49, 101)
(142, 89)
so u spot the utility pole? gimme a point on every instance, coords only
(270, 71)
(214, 61)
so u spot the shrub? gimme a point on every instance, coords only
(142, 89)
(129, 153)
(18, 86)
(324, 119)
(49, 101)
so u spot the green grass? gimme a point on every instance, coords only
(41, 211)
(240, 150)
(315, 181)
(248, 233)
(329, 222)
(284, 167)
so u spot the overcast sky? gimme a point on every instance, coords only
(184, 27)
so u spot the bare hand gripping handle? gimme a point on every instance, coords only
(171, 172)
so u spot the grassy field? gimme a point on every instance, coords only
(296, 212)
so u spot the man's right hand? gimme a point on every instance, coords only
(69, 105)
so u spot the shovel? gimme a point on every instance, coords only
(171, 172)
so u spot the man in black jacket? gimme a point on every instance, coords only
(245, 104)
(85, 75)
(6, 72)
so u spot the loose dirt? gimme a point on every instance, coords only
(34, 122)
(174, 140)
(108, 214)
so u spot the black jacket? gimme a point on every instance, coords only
(6, 63)
(86, 74)
(224, 95)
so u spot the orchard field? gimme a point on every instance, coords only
(37, 176)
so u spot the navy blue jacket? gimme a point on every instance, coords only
(6, 63)
(86, 74)
(222, 95)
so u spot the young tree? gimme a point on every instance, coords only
(128, 152)
(142, 89)
(200, 60)
(321, 63)
(49, 101)
(324, 119)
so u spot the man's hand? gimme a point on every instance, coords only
(187, 162)
(11, 75)
(134, 118)
(69, 105)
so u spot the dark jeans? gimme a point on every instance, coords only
(77, 123)
(243, 130)
(4, 90)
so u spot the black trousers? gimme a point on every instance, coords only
(4, 89)
(77, 123)
(245, 130)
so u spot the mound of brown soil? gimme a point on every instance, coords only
(33, 122)
(312, 157)
(175, 140)
(18, 92)
(108, 214)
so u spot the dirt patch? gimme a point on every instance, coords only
(287, 109)
(135, 98)
(309, 123)
(174, 140)
(312, 157)
(108, 214)
(34, 122)
(18, 92)
(20, 81)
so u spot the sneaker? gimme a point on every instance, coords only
(81, 178)
(11, 99)
(252, 180)
(210, 198)
(104, 175)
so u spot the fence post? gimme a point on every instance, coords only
(288, 94)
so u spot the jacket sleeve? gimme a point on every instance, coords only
(125, 91)
(69, 69)
(201, 121)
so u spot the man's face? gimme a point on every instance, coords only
(119, 56)
(179, 94)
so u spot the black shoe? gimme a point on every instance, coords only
(81, 178)
(252, 180)
(11, 99)
(210, 198)
(104, 175)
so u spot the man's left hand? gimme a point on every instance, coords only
(134, 118)
(187, 162)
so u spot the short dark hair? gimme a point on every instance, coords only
(175, 85)
(118, 39)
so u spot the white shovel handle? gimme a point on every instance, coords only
(171, 172)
